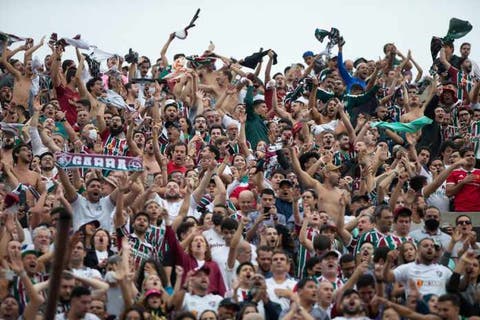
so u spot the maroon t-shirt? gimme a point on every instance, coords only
(63, 95)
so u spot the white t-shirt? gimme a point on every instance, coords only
(88, 273)
(214, 239)
(272, 285)
(430, 279)
(85, 211)
(197, 304)
(88, 316)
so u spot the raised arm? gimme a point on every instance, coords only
(34, 297)
(440, 178)
(202, 186)
(16, 74)
(304, 177)
(302, 237)
(70, 192)
(30, 51)
(443, 59)
(268, 68)
(163, 52)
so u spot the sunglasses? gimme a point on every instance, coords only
(464, 222)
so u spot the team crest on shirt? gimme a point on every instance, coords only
(439, 274)
(419, 283)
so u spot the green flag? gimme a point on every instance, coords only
(410, 127)
(457, 29)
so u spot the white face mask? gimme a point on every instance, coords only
(92, 134)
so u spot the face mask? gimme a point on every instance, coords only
(92, 134)
(432, 224)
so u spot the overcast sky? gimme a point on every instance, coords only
(238, 30)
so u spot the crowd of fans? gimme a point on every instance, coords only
(315, 193)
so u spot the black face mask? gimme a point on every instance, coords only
(432, 224)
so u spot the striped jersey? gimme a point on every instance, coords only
(18, 290)
(337, 284)
(141, 251)
(303, 253)
(393, 242)
(372, 236)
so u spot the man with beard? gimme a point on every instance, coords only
(170, 112)
(461, 78)
(141, 249)
(132, 95)
(417, 109)
(114, 138)
(194, 296)
(49, 172)
(264, 260)
(22, 157)
(91, 206)
(80, 300)
(431, 229)
(329, 194)
(5, 96)
(383, 219)
(8, 143)
(351, 306)
(428, 276)
(345, 155)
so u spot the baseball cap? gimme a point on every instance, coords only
(29, 249)
(287, 182)
(170, 102)
(308, 54)
(204, 268)
(152, 292)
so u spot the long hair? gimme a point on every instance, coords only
(208, 253)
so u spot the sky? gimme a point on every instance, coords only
(238, 30)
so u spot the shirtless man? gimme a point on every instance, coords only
(22, 156)
(415, 109)
(329, 194)
(23, 81)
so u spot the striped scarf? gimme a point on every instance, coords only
(466, 79)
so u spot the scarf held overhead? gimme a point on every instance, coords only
(410, 127)
(67, 160)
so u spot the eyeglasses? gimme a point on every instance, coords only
(464, 222)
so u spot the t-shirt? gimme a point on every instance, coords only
(87, 272)
(468, 198)
(272, 285)
(86, 211)
(197, 304)
(88, 316)
(64, 94)
(430, 279)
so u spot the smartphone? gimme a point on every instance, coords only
(266, 212)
